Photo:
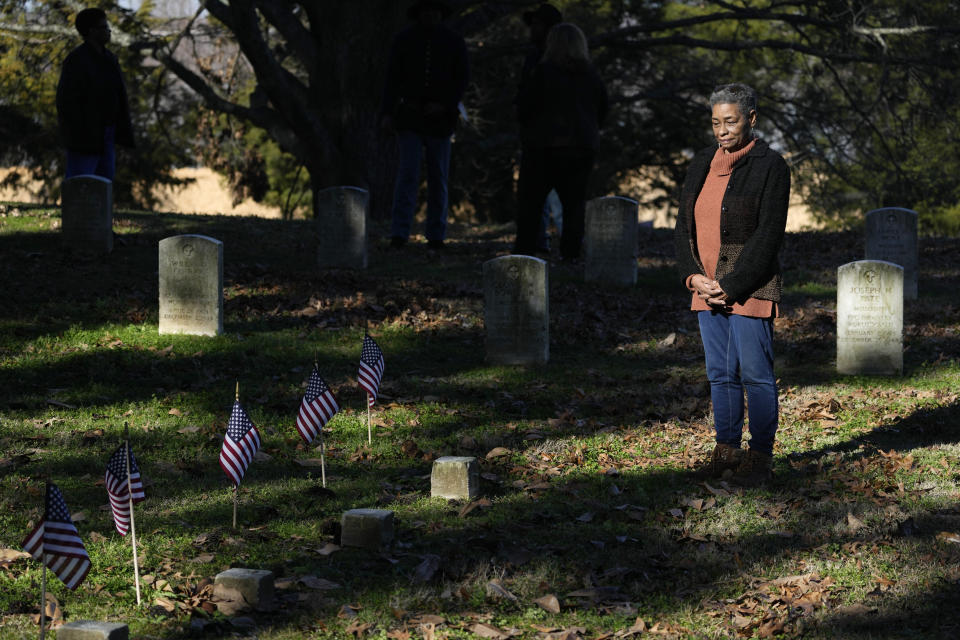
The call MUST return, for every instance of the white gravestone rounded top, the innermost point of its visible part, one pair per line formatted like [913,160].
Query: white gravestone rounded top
[342,227]
[892,236]
[870,318]
[191,285]
[610,241]
[516,310]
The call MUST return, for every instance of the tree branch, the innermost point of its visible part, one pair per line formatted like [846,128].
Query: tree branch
[282,17]
[745,45]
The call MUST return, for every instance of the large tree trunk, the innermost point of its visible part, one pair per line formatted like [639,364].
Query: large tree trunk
[356,38]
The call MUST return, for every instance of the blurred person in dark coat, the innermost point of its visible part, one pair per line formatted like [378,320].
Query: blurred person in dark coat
[539,22]
[561,108]
[427,74]
[92,107]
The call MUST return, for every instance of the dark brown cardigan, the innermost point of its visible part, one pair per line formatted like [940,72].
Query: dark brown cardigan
[752,222]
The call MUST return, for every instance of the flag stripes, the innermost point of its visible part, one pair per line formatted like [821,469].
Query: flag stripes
[371,369]
[240,444]
[56,542]
[318,406]
[117,489]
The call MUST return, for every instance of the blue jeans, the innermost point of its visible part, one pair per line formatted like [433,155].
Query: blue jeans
[739,356]
[437,154]
[98,164]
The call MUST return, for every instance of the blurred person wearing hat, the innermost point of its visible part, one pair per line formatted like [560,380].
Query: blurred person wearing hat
[427,74]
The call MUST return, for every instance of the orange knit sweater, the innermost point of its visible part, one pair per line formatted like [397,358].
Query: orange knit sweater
[707,218]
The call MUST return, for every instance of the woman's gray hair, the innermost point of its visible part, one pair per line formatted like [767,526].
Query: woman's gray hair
[735,93]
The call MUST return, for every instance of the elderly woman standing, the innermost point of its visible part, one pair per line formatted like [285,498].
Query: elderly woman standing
[733,211]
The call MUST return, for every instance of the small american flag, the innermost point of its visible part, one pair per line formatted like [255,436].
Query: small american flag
[56,543]
[318,406]
[240,444]
[371,369]
[116,483]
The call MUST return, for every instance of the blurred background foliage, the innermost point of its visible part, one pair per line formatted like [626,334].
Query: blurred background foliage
[861,96]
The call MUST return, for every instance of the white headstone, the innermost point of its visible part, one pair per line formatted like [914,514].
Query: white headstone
[342,227]
[191,285]
[870,318]
[892,236]
[610,241]
[87,214]
[516,310]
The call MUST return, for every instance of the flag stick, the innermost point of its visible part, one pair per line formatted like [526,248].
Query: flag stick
[369,431]
[323,448]
[133,526]
[236,487]
[43,593]
[323,463]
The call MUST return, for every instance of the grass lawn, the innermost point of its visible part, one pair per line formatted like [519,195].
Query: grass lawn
[591,523]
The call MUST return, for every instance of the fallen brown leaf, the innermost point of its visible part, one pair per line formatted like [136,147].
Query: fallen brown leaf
[548,603]
[495,588]
[167,605]
[52,612]
[470,506]
[946,536]
[854,523]
[488,631]
[497,452]
[12,555]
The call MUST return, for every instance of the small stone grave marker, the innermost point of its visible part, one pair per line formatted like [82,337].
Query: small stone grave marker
[455,478]
[516,310]
[87,214]
[870,318]
[610,241]
[191,285]
[255,585]
[342,227]
[892,237]
[91,630]
[366,528]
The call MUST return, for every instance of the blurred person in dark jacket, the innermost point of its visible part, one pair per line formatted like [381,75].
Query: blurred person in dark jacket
[561,108]
[539,22]
[92,107]
[427,74]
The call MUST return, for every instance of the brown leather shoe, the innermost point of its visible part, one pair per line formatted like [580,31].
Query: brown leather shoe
[755,469]
[724,460]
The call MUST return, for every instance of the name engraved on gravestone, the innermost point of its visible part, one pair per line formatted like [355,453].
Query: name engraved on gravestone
[870,318]
[610,241]
[87,214]
[892,237]
[191,285]
[342,227]
[516,310]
